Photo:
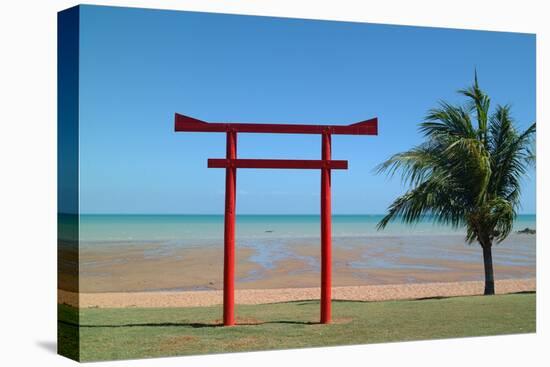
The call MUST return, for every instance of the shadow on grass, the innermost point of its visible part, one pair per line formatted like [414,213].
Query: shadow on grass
[306,302]
[477,295]
[188,324]
[219,324]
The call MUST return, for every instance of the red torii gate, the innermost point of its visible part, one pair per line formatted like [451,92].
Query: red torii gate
[231,163]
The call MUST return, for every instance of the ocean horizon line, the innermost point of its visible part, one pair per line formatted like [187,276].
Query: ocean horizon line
[254,214]
[190,227]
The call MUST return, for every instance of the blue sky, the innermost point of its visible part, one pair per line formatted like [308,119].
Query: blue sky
[138,67]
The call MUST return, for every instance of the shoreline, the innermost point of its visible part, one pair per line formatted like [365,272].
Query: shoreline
[262,296]
[277,263]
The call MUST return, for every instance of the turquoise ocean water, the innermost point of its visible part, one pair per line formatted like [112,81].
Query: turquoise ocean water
[185,228]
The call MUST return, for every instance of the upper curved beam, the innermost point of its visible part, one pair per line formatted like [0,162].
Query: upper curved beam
[186,123]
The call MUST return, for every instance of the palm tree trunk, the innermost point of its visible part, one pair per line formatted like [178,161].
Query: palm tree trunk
[488,263]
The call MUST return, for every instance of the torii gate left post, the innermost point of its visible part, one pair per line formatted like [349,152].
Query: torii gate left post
[231,163]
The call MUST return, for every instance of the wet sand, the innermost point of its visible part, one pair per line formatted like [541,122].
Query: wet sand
[259,296]
[157,267]
[152,274]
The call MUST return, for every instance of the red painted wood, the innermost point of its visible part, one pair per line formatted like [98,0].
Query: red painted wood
[326,234]
[186,123]
[231,163]
[229,233]
[277,163]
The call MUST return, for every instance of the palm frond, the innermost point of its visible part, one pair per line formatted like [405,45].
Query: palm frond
[415,164]
[437,197]
[447,121]
[511,155]
[480,103]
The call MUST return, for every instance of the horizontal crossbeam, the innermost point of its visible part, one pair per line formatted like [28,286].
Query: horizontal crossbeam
[186,123]
[277,163]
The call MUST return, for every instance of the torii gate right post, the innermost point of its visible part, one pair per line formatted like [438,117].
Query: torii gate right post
[231,163]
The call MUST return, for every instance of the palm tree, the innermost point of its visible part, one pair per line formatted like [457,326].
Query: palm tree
[465,175]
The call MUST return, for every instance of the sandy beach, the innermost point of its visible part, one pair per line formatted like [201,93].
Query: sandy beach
[370,268]
[277,264]
[261,296]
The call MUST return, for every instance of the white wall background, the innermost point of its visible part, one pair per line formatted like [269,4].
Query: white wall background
[28,180]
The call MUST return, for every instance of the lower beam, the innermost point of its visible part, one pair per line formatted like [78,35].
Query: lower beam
[277,163]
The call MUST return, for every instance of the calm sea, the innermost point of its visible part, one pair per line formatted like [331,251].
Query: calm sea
[94,227]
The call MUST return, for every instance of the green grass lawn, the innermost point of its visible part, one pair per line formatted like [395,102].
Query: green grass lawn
[146,332]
